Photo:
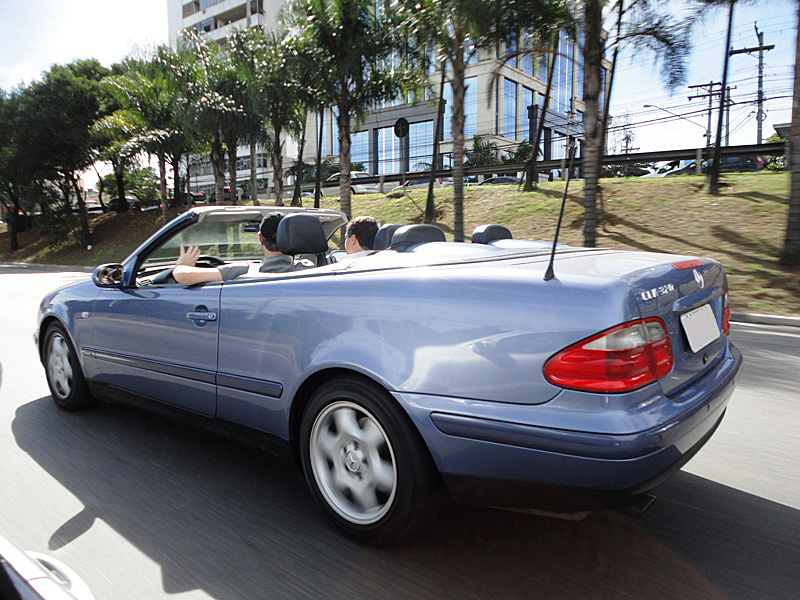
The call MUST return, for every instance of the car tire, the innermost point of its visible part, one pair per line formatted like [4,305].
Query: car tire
[365,463]
[64,375]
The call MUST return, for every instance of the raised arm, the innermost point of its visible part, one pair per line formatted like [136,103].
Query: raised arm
[186,273]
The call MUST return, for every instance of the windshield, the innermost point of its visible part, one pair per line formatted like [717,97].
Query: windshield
[227,241]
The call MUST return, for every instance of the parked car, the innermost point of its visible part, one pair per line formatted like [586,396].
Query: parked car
[502,180]
[92,207]
[662,169]
[35,576]
[690,169]
[212,197]
[418,184]
[427,364]
[198,197]
[733,164]
[331,184]
[116,205]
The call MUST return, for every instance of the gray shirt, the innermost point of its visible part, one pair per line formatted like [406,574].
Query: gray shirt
[283,263]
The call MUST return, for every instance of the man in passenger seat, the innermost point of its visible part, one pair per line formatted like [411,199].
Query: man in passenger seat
[274,261]
[359,236]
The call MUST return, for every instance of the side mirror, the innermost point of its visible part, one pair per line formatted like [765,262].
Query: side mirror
[108,276]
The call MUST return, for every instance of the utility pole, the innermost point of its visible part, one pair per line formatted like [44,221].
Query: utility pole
[728,103]
[760,100]
[710,94]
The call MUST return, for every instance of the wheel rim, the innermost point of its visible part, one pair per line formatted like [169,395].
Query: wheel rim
[353,462]
[59,367]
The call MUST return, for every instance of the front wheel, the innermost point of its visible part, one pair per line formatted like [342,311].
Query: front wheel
[64,376]
[364,462]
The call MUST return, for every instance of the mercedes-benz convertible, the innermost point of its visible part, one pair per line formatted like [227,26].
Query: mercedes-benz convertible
[423,369]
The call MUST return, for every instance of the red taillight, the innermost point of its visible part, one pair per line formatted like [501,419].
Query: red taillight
[620,359]
[726,314]
[687,264]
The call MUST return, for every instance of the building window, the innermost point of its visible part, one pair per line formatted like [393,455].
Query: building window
[359,149]
[190,8]
[420,145]
[204,4]
[527,57]
[579,65]
[511,54]
[388,151]
[470,109]
[510,109]
[206,25]
[525,121]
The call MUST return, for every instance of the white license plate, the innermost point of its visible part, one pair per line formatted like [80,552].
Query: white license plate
[700,326]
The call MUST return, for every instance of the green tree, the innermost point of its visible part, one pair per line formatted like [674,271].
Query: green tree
[57,115]
[147,92]
[352,47]
[482,154]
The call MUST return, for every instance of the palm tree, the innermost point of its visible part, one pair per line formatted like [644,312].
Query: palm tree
[458,29]
[351,46]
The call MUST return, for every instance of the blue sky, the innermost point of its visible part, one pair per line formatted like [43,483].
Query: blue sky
[639,80]
[37,33]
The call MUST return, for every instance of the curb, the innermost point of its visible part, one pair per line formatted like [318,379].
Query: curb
[41,267]
[741,317]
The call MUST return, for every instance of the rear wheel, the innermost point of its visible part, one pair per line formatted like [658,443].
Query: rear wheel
[364,462]
[64,376]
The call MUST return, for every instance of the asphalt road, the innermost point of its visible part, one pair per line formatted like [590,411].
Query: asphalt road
[144,508]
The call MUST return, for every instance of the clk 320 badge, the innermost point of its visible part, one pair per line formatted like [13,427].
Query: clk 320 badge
[661,290]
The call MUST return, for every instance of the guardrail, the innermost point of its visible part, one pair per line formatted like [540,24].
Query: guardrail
[703,153]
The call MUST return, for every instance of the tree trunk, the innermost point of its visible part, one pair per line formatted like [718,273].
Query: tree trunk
[86,234]
[176,181]
[218,167]
[188,200]
[232,158]
[11,217]
[607,92]
[298,166]
[430,208]
[119,177]
[277,163]
[101,186]
[343,120]
[457,126]
[253,174]
[318,171]
[162,184]
[531,176]
[790,254]
[591,92]
[713,179]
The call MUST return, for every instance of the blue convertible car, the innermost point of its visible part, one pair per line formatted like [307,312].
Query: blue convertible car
[425,366]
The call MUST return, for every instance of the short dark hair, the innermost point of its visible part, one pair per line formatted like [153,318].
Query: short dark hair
[269,230]
[364,228]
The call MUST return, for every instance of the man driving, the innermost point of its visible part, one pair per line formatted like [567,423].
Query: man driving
[274,261]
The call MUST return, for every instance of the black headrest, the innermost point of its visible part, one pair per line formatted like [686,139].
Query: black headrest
[411,235]
[383,239]
[301,234]
[484,234]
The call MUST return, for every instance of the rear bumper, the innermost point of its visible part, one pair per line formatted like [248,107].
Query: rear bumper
[497,461]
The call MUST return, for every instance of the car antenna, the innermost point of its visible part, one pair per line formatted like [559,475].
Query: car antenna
[548,274]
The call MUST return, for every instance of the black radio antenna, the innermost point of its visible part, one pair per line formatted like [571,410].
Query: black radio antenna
[548,274]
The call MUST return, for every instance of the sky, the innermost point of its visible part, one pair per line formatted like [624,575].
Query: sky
[34,34]
[638,79]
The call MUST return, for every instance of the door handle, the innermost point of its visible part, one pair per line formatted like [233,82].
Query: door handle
[201,316]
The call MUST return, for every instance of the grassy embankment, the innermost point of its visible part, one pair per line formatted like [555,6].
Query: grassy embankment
[743,228]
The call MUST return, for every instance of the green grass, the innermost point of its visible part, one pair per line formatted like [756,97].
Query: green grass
[743,228]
